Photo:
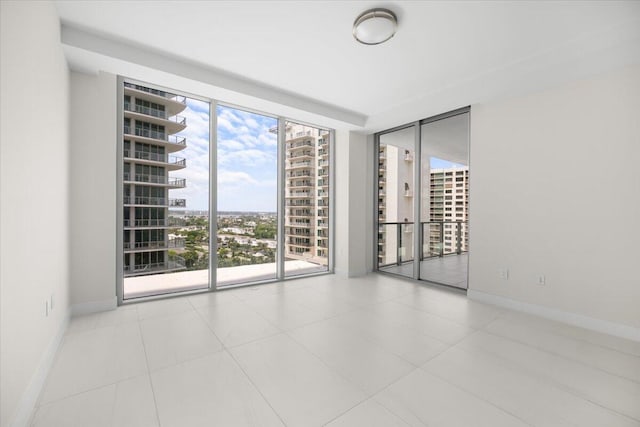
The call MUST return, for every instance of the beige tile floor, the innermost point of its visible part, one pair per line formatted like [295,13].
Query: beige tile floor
[371,351]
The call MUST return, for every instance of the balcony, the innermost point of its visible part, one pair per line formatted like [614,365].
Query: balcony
[301,184]
[173,103]
[143,157]
[170,142]
[301,155]
[323,163]
[299,194]
[172,123]
[154,201]
[174,263]
[298,224]
[298,174]
[299,202]
[147,223]
[151,245]
[323,193]
[156,180]
[299,165]
[293,145]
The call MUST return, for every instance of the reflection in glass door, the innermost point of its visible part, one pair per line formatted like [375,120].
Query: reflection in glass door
[396,155]
[445,200]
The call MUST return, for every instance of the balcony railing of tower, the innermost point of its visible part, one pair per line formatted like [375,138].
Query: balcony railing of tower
[323,203]
[323,163]
[298,174]
[322,142]
[148,133]
[299,164]
[299,184]
[161,93]
[154,112]
[323,152]
[298,202]
[155,157]
[300,154]
[295,223]
[154,201]
[155,179]
[323,224]
[300,194]
[147,222]
[293,135]
[157,244]
[174,263]
[323,193]
[300,144]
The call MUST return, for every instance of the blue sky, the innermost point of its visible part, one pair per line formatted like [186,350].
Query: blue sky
[436,163]
[247,160]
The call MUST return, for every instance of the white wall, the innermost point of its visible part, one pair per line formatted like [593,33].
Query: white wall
[555,191]
[353,198]
[93,191]
[34,201]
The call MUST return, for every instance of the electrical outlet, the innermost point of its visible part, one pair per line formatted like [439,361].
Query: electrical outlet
[503,273]
[542,280]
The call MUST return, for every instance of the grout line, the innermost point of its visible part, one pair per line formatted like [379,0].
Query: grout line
[512,365]
[255,386]
[153,392]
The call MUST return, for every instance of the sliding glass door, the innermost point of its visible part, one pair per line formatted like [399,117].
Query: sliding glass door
[396,202]
[445,195]
[424,234]
[216,195]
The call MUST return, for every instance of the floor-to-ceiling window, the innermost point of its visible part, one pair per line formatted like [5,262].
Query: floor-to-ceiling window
[165,155]
[247,196]
[215,195]
[306,194]
[423,234]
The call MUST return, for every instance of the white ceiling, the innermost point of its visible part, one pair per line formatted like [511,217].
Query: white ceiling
[445,54]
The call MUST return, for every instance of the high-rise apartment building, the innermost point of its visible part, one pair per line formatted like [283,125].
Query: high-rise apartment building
[395,203]
[307,193]
[448,210]
[444,210]
[151,121]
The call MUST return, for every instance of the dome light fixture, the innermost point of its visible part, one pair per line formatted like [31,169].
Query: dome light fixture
[375,26]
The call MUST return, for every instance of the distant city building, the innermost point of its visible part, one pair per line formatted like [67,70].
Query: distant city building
[150,122]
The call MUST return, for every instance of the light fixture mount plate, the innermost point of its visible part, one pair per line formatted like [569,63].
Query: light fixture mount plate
[375,26]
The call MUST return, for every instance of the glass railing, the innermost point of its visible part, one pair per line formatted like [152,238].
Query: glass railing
[161,93]
[395,243]
[154,112]
[174,263]
[155,244]
[155,157]
[441,238]
[154,201]
[155,179]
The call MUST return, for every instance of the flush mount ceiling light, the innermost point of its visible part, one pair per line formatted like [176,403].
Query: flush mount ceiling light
[375,26]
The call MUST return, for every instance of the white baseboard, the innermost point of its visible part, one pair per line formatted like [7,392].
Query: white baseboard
[94,306]
[27,404]
[586,322]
